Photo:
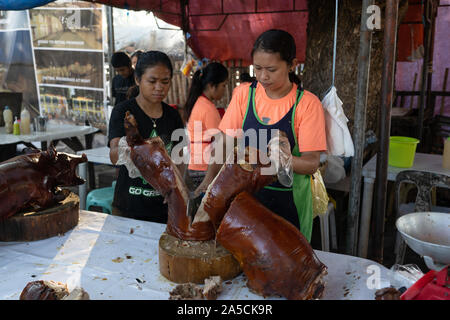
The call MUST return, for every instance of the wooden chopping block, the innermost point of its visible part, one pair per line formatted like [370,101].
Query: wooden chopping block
[183,261]
[38,225]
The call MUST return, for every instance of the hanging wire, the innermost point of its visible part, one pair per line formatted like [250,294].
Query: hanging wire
[335,41]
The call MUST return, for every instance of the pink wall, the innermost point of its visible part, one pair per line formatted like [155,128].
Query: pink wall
[441,59]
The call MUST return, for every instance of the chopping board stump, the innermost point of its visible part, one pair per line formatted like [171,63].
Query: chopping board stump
[38,225]
[183,261]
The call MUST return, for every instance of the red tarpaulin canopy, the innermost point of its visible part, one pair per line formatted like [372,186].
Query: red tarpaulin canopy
[225,30]
[410,33]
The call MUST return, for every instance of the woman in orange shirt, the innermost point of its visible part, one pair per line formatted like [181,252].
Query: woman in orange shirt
[208,85]
[276,100]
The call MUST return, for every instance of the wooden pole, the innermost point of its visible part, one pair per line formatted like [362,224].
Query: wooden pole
[444,87]
[362,87]
[387,88]
[411,102]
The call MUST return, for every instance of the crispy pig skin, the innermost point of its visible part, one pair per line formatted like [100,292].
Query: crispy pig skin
[44,290]
[274,255]
[232,179]
[33,180]
[157,168]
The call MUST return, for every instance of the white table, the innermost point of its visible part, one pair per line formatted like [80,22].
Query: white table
[54,132]
[117,258]
[96,155]
[422,162]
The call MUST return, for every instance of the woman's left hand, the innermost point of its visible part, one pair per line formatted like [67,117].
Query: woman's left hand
[280,155]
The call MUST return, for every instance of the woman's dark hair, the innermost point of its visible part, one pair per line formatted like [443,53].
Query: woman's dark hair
[245,77]
[147,60]
[137,53]
[150,59]
[278,41]
[214,73]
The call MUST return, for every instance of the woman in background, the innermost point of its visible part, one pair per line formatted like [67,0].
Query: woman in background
[208,85]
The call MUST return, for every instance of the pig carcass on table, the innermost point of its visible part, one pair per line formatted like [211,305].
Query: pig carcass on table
[156,166]
[34,180]
[274,255]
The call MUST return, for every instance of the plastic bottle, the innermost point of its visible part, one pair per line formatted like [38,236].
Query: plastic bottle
[16,129]
[24,122]
[8,118]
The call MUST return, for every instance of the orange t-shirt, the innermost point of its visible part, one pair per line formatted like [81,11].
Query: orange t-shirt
[309,120]
[204,120]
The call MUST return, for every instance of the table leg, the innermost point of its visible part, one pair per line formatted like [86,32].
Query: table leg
[89,138]
[366,212]
[82,172]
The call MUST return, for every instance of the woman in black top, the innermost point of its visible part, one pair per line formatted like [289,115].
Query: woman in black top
[135,198]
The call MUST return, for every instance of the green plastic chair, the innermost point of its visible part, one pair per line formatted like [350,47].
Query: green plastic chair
[101,197]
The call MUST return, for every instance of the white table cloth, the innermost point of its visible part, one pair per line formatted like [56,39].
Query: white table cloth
[117,258]
[54,132]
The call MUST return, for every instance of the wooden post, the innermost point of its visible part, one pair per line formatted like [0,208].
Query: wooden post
[387,87]
[444,87]
[362,87]
[411,102]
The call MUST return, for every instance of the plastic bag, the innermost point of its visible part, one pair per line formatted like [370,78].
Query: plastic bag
[125,159]
[405,275]
[339,140]
[188,64]
[281,156]
[319,194]
[335,170]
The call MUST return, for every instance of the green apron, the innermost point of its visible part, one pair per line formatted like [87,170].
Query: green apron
[301,188]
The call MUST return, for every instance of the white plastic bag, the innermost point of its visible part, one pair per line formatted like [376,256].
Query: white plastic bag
[125,159]
[405,275]
[339,140]
[335,170]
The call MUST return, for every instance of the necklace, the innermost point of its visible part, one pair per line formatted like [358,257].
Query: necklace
[154,122]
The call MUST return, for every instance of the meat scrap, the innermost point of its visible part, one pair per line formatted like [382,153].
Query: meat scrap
[388,293]
[212,288]
[44,290]
[274,255]
[191,291]
[186,291]
[51,290]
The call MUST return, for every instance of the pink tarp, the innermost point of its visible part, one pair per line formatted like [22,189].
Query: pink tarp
[225,30]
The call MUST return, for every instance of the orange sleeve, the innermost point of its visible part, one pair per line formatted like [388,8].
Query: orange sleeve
[234,116]
[310,124]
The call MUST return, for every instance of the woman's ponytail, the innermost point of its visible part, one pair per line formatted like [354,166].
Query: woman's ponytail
[195,91]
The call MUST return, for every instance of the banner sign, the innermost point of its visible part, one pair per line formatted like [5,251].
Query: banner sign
[67,40]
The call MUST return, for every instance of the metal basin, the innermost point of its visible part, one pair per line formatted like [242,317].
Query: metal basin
[428,234]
